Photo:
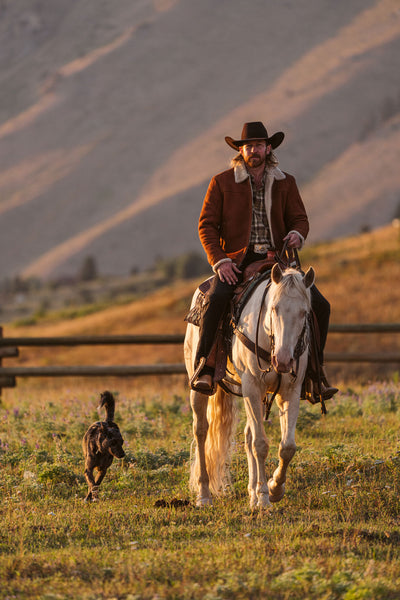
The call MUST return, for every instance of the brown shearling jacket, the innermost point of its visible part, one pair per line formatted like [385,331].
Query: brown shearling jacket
[226,216]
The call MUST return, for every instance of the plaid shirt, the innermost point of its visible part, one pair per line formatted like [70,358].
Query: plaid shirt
[260,233]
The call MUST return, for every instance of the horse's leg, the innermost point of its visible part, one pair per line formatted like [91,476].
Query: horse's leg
[256,448]
[288,413]
[252,487]
[199,478]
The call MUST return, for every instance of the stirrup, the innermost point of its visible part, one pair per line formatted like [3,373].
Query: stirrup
[311,390]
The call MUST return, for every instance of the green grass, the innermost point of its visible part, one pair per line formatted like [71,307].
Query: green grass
[335,535]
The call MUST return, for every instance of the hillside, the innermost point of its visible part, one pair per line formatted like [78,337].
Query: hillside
[113,117]
[359,275]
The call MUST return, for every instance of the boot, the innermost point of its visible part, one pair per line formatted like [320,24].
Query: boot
[310,389]
[203,384]
[202,380]
[327,391]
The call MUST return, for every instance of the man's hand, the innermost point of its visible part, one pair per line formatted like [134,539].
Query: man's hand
[227,272]
[293,240]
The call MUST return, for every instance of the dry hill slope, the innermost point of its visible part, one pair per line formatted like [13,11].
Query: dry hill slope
[113,118]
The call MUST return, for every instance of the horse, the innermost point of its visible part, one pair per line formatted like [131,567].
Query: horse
[269,355]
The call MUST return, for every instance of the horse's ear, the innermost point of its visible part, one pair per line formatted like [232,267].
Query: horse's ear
[309,277]
[276,273]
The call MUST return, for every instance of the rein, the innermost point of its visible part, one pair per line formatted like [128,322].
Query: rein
[271,335]
[288,257]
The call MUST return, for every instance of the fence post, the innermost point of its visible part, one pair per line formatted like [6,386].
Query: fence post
[6,351]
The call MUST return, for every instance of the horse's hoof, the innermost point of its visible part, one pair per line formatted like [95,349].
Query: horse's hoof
[277,494]
[203,502]
[253,499]
[276,498]
[263,500]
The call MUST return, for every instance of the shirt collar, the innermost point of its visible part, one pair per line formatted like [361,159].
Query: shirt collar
[263,177]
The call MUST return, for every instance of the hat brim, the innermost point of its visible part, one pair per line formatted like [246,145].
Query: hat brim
[275,141]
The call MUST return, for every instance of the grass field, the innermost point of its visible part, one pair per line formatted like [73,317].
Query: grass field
[334,535]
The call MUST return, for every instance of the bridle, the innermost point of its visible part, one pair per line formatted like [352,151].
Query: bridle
[299,349]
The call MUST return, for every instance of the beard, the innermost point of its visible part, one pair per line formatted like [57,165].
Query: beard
[255,160]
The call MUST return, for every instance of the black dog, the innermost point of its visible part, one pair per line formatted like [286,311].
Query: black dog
[100,444]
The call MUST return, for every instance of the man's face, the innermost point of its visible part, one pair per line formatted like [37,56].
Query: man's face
[255,152]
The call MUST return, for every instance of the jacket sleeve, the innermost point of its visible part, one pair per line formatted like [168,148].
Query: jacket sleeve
[296,216]
[210,224]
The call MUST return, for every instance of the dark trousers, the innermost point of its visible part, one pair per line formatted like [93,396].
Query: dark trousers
[219,296]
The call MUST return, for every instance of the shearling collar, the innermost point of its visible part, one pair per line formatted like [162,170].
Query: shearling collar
[241,173]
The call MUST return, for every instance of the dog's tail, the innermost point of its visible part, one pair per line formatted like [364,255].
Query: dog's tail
[107,401]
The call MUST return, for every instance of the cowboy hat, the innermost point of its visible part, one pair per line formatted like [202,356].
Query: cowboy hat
[255,131]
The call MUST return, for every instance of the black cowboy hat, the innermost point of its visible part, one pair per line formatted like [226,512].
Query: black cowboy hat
[255,131]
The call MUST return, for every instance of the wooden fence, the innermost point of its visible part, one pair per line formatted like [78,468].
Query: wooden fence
[9,348]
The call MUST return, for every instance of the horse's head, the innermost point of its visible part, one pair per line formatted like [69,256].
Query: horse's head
[289,304]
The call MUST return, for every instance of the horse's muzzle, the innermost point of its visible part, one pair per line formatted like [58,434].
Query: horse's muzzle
[282,364]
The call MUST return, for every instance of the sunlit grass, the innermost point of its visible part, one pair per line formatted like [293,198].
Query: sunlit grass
[334,535]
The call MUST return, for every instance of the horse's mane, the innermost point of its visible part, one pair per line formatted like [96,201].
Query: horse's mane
[292,285]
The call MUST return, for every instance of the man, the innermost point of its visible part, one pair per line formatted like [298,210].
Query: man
[249,212]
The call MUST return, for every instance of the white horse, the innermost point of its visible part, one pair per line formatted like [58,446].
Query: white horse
[275,319]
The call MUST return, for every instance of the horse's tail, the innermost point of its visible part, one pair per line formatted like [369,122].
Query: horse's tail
[222,415]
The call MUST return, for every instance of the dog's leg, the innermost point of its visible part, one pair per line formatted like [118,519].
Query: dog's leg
[91,485]
[95,493]
[94,484]
[100,476]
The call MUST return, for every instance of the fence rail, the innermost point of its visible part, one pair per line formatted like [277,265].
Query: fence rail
[92,371]
[9,347]
[99,340]
[364,328]
[92,340]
